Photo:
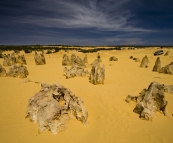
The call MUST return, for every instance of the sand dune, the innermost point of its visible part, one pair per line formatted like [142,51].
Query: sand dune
[110,119]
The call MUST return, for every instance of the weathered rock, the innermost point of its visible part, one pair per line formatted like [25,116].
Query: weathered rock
[113,58]
[137,60]
[167,53]
[13,71]
[6,61]
[149,101]
[75,70]
[38,59]
[22,71]
[43,57]
[168,89]
[131,57]
[99,57]
[1,55]
[66,61]
[53,106]
[21,59]
[168,69]
[2,71]
[85,60]
[144,62]
[97,77]
[157,65]
[13,58]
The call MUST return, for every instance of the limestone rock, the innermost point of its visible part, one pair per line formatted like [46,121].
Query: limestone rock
[149,101]
[168,89]
[85,60]
[168,69]
[66,61]
[157,65]
[38,59]
[167,53]
[113,58]
[53,106]
[13,58]
[2,71]
[6,61]
[144,62]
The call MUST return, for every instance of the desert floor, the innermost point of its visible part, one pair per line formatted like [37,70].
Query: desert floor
[110,119]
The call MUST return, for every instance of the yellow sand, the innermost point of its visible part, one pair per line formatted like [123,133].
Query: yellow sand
[111,119]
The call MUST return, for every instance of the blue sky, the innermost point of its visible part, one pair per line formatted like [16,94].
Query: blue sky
[86,22]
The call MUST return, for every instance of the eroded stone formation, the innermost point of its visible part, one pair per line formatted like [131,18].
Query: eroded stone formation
[1,55]
[53,106]
[66,61]
[74,71]
[7,60]
[2,71]
[113,58]
[99,57]
[144,62]
[18,71]
[168,69]
[21,59]
[149,101]
[96,76]
[136,59]
[168,89]
[167,53]
[13,58]
[39,60]
[85,60]
[157,65]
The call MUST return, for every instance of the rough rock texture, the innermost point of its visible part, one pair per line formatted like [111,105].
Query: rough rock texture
[2,71]
[97,77]
[157,65]
[18,71]
[85,60]
[21,59]
[53,106]
[38,59]
[144,62]
[75,70]
[167,53]
[168,89]
[149,101]
[113,58]
[1,55]
[66,61]
[99,57]
[168,69]
[13,58]
[6,61]
[79,61]
[43,58]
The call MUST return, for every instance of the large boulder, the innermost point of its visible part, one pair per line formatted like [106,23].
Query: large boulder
[144,62]
[149,101]
[2,71]
[168,69]
[157,65]
[53,106]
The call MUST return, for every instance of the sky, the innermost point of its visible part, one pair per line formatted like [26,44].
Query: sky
[86,22]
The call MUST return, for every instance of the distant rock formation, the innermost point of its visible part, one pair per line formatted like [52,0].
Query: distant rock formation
[53,106]
[74,71]
[13,58]
[99,57]
[168,69]
[21,59]
[1,55]
[97,77]
[85,60]
[113,58]
[43,57]
[157,65]
[39,59]
[144,62]
[2,71]
[136,59]
[167,53]
[66,61]
[131,57]
[18,71]
[149,101]
[7,60]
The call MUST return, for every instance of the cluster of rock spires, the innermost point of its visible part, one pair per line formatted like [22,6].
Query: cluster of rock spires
[75,71]
[39,59]
[149,101]
[15,71]
[13,59]
[74,60]
[113,58]
[53,106]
